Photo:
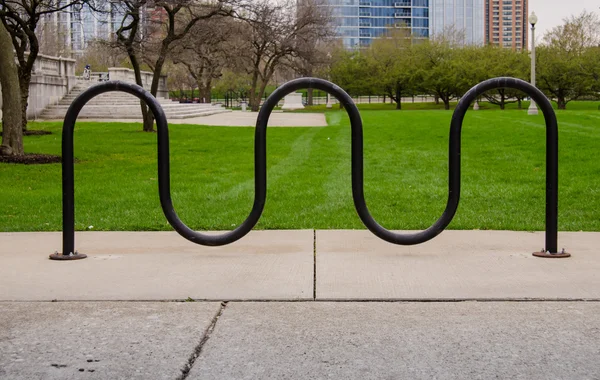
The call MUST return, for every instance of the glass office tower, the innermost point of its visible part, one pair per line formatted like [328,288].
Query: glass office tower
[358,22]
[464,17]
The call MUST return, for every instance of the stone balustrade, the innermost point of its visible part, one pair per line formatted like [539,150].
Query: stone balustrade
[51,79]
[54,77]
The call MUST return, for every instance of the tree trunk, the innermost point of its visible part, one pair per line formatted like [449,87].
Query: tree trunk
[446,100]
[252,95]
[257,96]
[309,96]
[149,117]
[24,81]
[138,80]
[562,104]
[502,99]
[204,91]
[398,96]
[519,103]
[12,131]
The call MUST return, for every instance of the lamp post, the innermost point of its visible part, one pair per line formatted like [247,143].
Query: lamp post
[532,20]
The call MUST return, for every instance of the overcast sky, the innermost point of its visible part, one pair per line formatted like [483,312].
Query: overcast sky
[551,12]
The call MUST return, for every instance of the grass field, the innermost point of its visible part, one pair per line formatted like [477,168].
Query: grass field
[309,174]
[408,106]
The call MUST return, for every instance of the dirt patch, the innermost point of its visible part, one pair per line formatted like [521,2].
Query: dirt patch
[36,132]
[31,159]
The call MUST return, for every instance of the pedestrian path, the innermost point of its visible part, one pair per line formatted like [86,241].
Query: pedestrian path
[299,305]
[235,119]
[298,265]
[299,340]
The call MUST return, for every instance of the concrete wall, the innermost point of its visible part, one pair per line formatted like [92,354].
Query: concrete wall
[128,75]
[52,78]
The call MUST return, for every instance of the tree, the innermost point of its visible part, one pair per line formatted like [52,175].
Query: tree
[207,50]
[393,62]
[151,42]
[234,83]
[437,72]
[563,68]
[277,30]
[100,55]
[12,131]
[313,59]
[180,79]
[481,63]
[21,19]
[353,72]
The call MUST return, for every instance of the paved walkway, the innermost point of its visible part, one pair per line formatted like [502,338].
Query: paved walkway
[298,265]
[241,119]
[467,305]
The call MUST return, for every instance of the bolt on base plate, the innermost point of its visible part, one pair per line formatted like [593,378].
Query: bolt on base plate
[547,254]
[74,256]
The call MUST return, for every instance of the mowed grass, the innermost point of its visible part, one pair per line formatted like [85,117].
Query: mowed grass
[503,174]
[592,105]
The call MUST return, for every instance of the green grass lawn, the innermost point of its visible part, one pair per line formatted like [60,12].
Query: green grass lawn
[593,105]
[503,160]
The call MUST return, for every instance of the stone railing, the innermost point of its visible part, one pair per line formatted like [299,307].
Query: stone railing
[51,79]
[128,75]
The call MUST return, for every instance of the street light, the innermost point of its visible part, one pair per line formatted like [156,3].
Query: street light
[532,20]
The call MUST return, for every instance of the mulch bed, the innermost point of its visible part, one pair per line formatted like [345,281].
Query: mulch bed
[31,159]
[34,133]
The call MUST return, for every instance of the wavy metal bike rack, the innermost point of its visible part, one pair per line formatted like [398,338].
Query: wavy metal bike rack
[260,164]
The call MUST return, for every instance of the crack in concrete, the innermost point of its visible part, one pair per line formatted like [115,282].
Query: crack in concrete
[185,371]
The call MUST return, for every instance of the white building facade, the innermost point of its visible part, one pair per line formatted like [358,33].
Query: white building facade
[464,17]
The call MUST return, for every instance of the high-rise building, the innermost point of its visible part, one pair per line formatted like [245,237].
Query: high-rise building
[76,26]
[358,22]
[465,18]
[506,23]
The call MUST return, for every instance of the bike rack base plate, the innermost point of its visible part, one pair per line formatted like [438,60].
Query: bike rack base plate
[549,255]
[60,256]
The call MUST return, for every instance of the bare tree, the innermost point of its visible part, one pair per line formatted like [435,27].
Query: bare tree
[171,21]
[180,79]
[101,55]
[12,133]
[278,30]
[207,50]
[21,19]
[51,37]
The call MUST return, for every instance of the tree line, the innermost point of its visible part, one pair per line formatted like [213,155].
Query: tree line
[245,45]
[568,65]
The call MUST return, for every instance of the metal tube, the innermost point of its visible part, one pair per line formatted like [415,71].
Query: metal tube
[260,162]
[551,144]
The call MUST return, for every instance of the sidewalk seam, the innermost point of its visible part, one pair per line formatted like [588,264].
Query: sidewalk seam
[185,371]
[314,265]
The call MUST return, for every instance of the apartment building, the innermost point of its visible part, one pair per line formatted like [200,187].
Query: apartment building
[506,23]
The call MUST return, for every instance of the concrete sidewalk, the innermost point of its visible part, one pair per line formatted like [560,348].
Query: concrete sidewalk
[300,340]
[298,265]
[238,119]
[438,337]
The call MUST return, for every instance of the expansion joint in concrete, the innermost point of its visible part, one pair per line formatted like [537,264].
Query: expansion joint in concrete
[314,265]
[185,371]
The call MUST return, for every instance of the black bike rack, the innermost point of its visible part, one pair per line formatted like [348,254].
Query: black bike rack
[260,164]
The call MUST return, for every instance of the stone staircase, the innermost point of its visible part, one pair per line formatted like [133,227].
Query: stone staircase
[120,105]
